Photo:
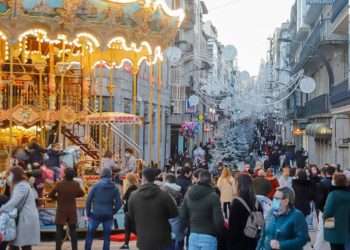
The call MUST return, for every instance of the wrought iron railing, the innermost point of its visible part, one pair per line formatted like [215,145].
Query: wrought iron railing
[340,94]
[318,105]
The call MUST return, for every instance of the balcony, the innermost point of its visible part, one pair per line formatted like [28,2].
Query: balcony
[297,113]
[340,94]
[318,105]
[340,16]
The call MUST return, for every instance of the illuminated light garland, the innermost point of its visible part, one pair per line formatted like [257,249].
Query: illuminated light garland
[179,13]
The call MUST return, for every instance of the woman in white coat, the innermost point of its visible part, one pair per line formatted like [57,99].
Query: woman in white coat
[22,198]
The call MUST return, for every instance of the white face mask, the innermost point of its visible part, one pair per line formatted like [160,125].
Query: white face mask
[127,155]
[333,183]
[9,179]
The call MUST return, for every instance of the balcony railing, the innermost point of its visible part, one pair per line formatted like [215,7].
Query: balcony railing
[337,8]
[318,105]
[296,113]
[340,94]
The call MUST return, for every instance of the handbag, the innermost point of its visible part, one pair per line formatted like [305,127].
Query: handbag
[329,223]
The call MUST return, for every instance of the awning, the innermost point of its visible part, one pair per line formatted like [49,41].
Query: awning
[114,117]
[318,130]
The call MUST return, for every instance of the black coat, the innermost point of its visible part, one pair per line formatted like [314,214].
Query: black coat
[127,195]
[303,195]
[237,222]
[150,209]
[184,183]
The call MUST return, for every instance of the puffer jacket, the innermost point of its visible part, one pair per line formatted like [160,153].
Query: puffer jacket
[103,200]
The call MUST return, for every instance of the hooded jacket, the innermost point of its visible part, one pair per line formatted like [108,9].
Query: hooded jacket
[103,200]
[201,210]
[150,209]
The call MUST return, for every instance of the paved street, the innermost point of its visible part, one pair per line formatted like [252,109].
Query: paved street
[97,245]
[114,245]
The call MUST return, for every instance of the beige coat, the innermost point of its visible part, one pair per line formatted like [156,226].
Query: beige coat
[227,188]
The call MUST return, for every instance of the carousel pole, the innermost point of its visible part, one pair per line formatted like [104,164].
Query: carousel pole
[159,128]
[101,109]
[40,69]
[60,138]
[11,94]
[150,114]
[134,97]
[52,79]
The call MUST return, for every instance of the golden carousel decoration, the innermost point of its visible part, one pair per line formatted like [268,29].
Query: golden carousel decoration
[54,59]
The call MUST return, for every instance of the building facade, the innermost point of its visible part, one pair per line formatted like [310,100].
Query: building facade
[318,47]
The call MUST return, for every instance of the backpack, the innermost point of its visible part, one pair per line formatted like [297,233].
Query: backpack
[255,222]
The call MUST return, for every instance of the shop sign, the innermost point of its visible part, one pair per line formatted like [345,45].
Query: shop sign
[346,140]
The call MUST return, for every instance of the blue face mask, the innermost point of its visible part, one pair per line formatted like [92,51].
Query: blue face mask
[276,206]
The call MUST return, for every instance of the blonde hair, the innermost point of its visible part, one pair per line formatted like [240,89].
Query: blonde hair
[226,174]
[130,180]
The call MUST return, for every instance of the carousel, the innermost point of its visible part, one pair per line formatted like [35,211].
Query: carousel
[58,58]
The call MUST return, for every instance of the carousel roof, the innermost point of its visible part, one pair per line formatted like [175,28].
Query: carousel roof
[136,21]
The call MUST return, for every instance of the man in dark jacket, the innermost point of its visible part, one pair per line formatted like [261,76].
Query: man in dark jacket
[53,162]
[324,188]
[150,209]
[201,210]
[102,204]
[185,179]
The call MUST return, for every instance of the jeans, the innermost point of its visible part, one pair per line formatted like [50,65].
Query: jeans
[202,242]
[72,234]
[92,226]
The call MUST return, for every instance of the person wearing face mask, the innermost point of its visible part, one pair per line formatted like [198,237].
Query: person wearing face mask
[285,227]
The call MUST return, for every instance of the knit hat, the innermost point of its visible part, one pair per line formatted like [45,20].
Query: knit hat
[106,173]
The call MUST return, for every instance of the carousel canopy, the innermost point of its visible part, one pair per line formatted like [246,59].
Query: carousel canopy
[141,28]
[114,117]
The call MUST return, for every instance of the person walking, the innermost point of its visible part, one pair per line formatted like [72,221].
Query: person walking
[102,204]
[239,214]
[285,226]
[201,212]
[184,180]
[22,199]
[274,182]
[336,214]
[303,192]
[131,183]
[285,180]
[227,187]
[65,192]
[150,209]
[261,185]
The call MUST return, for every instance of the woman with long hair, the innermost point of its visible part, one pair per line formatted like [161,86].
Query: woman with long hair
[227,187]
[131,183]
[22,199]
[239,214]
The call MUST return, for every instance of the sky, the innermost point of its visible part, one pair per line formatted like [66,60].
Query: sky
[247,24]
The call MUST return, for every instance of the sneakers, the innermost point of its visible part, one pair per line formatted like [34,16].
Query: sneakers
[125,246]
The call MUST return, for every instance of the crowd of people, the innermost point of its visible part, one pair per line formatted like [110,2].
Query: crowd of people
[265,207]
